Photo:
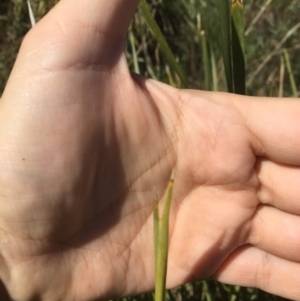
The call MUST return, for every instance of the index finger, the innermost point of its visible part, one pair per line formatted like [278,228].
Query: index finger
[274,125]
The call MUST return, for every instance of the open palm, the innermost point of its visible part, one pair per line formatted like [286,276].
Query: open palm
[84,144]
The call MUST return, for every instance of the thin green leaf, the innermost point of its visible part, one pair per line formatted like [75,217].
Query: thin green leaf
[136,67]
[158,35]
[225,18]
[281,77]
[238,46]
[233,45]
[162,241]
[206,291]
[290,72]
[155,228]
[237,13]
[170,77]
[214,71]
[205,60]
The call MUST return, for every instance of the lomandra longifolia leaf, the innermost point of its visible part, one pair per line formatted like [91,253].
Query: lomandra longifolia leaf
[225,24]
[233,45]
[158,35]
[237,13]
[238,46]
[290,72]
[161,241]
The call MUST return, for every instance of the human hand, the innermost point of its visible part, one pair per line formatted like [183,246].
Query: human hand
[83,143]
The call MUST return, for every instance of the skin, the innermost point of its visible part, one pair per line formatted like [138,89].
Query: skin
[82,144]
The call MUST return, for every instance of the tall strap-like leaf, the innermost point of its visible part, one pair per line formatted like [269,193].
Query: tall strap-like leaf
[161,242]
[238,46]
[233,45]
[290,72]
[158,35]
[225,23]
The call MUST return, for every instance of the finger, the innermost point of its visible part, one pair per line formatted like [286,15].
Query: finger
[110,17]
[276,232]
[80,33]
[274,125]
[249,266]
[279,186]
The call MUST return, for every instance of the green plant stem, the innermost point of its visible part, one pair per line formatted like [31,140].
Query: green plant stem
[161,242]
[290,72]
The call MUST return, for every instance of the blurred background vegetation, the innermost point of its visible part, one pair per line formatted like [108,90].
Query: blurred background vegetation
[271,27]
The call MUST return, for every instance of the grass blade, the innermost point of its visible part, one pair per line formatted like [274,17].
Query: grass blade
[136,67]
[161,242]
[206,291]
[155,228]
[170,77]
[214,75]
[158,35]
[281,77]
[31,16]
[233,45]
[290,72]
[205,60]
[238,46]
[225,19]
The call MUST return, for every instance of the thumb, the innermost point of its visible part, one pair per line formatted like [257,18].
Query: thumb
[111,17]
[79,33]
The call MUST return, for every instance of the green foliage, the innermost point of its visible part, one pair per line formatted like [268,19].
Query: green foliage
[158,35]
[238,46]
[226,41]
[161,242]
[262,42]
[233,43]
[182,23]
[210,291]
[290,71]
